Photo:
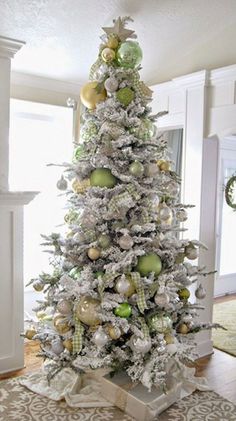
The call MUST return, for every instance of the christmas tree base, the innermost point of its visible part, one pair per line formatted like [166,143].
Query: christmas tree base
[136,400]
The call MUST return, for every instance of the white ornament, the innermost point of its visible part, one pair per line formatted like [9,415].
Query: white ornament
[140,345]
[152,170]
[162,299]
[62,184]
[200,292]
[126,242]
[64,307]
[171,348]
[165,213]
[111,84]
[57,346]
[155,202]
[100,338]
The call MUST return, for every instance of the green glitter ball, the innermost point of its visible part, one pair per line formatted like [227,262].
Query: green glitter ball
[89,130]
[123,310]
[125,96]
[160,323]
[129,54]
[145,130]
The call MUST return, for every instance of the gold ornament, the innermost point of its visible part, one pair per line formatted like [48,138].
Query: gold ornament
[38,286]
[61,324]
[91,95]
[93,253]
[68,345]
[183,293]
[86,310]
[80,187]
[114,332]
[164,165]
[183,329]
[108,55]
[113,41]
[125,286]
[29,334]
[169,338]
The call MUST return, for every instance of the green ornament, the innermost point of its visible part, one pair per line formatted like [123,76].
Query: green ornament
[184,294]
[149,263]
[75,273]
[102,177]
[159,323]
[89,130]
[71,217]
[79,153]
[129,54]
[125,96]
[136,169]
[123,310]
[99,273]
[145,130]
[104,241]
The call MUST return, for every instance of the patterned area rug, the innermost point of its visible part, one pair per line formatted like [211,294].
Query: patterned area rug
[19,404]
[225,314]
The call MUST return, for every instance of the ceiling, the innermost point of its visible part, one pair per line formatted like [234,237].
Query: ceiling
[176,36]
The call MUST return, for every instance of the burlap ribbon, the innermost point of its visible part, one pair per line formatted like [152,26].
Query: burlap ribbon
[78,336]
[141,301]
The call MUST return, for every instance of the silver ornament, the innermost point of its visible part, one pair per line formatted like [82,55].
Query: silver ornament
[88,220]
[62,184]
[140,345]
[151,170]
[171,348]
[165,213]
[57,346]
[100,338]
[200,292]
[125,286]
[111,84]
[181,215]
[159,323]
[173,188]
[136,169]
[64,307]
[162,299]
[126,242]
[191,252]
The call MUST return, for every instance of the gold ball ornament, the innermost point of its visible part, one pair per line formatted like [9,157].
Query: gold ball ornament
[125,286]
[113,41]
[170,339]
[61,324]
[87,311]
[30,333]
[93,253]
[183,293]
[38,286]
[164,165]
[80,187]
[108,55]
[183,329]
[68,344]
[91,95]
[114,332]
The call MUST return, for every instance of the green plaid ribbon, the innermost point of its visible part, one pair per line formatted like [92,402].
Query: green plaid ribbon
[142,90]
[90,236]
[117,202]
[95,66]
[144,327]
[78,336]
[145,216]
[141,301]
[107,278]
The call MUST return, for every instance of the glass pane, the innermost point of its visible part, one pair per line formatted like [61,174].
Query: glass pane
[175,142]
[40,134]
[228,233]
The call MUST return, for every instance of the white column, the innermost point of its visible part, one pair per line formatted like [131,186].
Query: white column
[11,231]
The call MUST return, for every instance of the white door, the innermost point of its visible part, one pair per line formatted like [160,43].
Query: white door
[226,261]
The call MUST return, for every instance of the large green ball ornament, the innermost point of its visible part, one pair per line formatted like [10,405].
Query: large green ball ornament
[125,96]
[129,54]
[145,130]
[136,169]
[102,177]
[149,263]
[159,323]
[87,311]
[123,310]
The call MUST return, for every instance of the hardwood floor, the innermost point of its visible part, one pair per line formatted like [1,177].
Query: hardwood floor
[219,368]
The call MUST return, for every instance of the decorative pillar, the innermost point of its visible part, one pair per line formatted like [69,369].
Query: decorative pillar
[11,231]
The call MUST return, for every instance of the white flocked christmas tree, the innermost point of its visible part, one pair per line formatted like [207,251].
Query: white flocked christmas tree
[118,293]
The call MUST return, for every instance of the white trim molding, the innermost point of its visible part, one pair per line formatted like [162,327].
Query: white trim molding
[9,46]
[11,198]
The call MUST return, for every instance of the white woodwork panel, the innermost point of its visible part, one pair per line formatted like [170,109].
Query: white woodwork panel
[222,121]
[177,102]
[223,94]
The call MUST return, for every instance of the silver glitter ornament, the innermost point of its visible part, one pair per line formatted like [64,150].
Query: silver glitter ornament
[126,242]
[159,323]
[140,345]
[151,170]
[64,307]
[200,292]
[165,213]
[111,84]
[162,300]
[181,215]
[100,338]
[191,252]
[136,169]
[173,188]
[62,183]
[57,346]
[125,286]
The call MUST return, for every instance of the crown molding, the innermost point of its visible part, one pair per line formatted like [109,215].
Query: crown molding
[12,198]
[192,80]
[39,82]
[9,46]
[223,74]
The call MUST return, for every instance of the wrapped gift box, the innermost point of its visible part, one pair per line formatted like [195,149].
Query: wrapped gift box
[136,400]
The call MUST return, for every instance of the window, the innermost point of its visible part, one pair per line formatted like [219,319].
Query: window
[40,134]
